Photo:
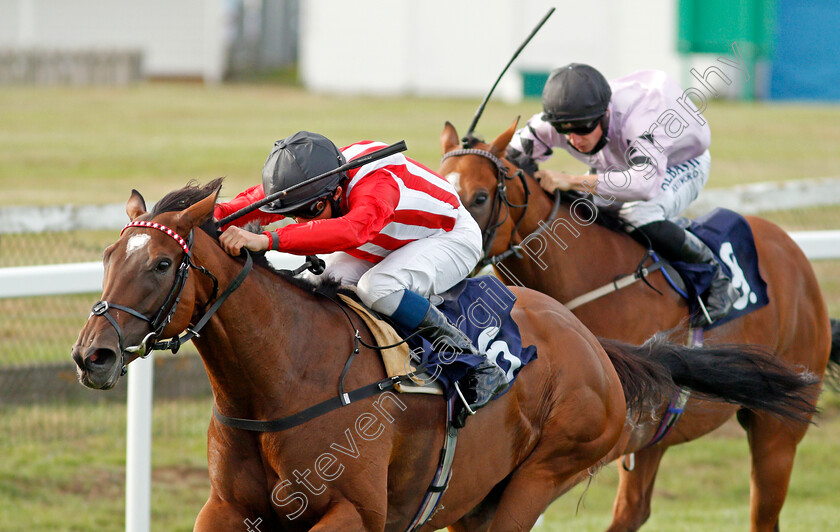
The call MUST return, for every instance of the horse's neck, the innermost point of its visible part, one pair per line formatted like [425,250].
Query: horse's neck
[570,256]
[256,349]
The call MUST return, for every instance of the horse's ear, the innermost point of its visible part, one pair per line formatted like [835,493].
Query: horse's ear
[499,146]
[136,205]
[195,214]
[448,138]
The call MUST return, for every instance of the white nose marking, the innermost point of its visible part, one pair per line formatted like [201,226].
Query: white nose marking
[136,242]
[454,179]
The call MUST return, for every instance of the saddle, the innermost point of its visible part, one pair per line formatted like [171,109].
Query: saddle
[398,360]
[730,238]
[480,307]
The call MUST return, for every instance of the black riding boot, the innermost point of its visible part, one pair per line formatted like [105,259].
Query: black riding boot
[483,382]
[721,294]
[676,244]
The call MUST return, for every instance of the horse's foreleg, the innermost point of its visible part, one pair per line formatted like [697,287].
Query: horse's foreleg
[220,515]
[772,446]
[632,502]
[530,491]
[343,515]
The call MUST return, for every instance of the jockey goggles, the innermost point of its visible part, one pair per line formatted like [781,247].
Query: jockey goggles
[577,127]
[312,210]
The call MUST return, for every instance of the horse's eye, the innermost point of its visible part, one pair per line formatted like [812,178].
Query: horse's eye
[163,265]
[480,198]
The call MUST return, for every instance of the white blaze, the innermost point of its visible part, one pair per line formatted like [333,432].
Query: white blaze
[454,179]
[136,242]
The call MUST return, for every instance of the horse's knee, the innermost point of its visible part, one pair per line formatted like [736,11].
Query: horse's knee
[219,515]
[343,515]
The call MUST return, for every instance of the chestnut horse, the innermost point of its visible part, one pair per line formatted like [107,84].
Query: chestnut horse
[273,345]
[580,256]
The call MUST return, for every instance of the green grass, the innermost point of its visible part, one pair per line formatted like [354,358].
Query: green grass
[704,485]
[76,482]
[92,145]
[72,477]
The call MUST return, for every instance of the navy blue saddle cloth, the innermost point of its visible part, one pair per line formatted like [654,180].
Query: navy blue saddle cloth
[730,238]
[481,308]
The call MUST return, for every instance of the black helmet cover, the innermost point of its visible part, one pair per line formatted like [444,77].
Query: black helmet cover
[575,97]
[295,159]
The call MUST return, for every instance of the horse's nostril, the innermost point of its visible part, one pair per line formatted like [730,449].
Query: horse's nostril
[100,357]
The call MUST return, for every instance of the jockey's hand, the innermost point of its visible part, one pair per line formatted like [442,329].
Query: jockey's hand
[235,238]
[551,180]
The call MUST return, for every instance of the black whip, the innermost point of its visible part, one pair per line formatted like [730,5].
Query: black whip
[468,136]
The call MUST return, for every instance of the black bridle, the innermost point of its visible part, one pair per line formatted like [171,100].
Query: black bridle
[488,234]
[164,314]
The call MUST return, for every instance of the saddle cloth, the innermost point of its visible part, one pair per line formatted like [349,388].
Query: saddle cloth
[730,238]
[481,308]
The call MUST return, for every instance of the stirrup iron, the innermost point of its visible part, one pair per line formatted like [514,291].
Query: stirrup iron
[464,399]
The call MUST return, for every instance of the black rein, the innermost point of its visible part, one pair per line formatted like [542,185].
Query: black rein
[489,232]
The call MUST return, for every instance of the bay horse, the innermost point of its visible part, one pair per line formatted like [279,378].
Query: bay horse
[273,345]
[578,257]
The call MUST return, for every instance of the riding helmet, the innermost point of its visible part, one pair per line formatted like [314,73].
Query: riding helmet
[575,94]
[295,159]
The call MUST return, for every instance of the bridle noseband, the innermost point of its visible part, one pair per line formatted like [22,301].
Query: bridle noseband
[164,314]
[488,234]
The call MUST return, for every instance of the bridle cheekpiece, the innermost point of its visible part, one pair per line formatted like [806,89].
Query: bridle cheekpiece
[500,198]
[164,315]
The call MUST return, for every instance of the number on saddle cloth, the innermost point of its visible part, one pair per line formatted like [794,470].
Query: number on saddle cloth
[481,308]
[730,238]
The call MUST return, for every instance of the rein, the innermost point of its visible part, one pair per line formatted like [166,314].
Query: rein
[501,197]
[164,315]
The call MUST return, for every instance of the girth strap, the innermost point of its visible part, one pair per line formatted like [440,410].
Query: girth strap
[614,286]
[277,425]
[675,408]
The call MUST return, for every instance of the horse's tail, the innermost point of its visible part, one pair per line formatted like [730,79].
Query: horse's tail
[833,369]
[746,375]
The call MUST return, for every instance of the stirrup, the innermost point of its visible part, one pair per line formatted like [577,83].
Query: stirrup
[464,399]
[704,310]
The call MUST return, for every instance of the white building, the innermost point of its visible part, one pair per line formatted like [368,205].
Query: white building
[175,38]
[459,47]
[419,47]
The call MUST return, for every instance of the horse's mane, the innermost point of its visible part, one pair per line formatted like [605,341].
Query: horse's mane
[193,192]
[605,217]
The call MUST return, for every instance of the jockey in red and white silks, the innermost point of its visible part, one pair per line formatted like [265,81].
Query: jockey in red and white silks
[392,227]
[404,227]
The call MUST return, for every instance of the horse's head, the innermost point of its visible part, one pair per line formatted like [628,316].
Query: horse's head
[489,185]
[146,294]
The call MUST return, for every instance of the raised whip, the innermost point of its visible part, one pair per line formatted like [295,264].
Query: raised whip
[468,136]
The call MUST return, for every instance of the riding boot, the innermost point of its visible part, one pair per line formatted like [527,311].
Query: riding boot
[721,295]
[674,243]
[483,382]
